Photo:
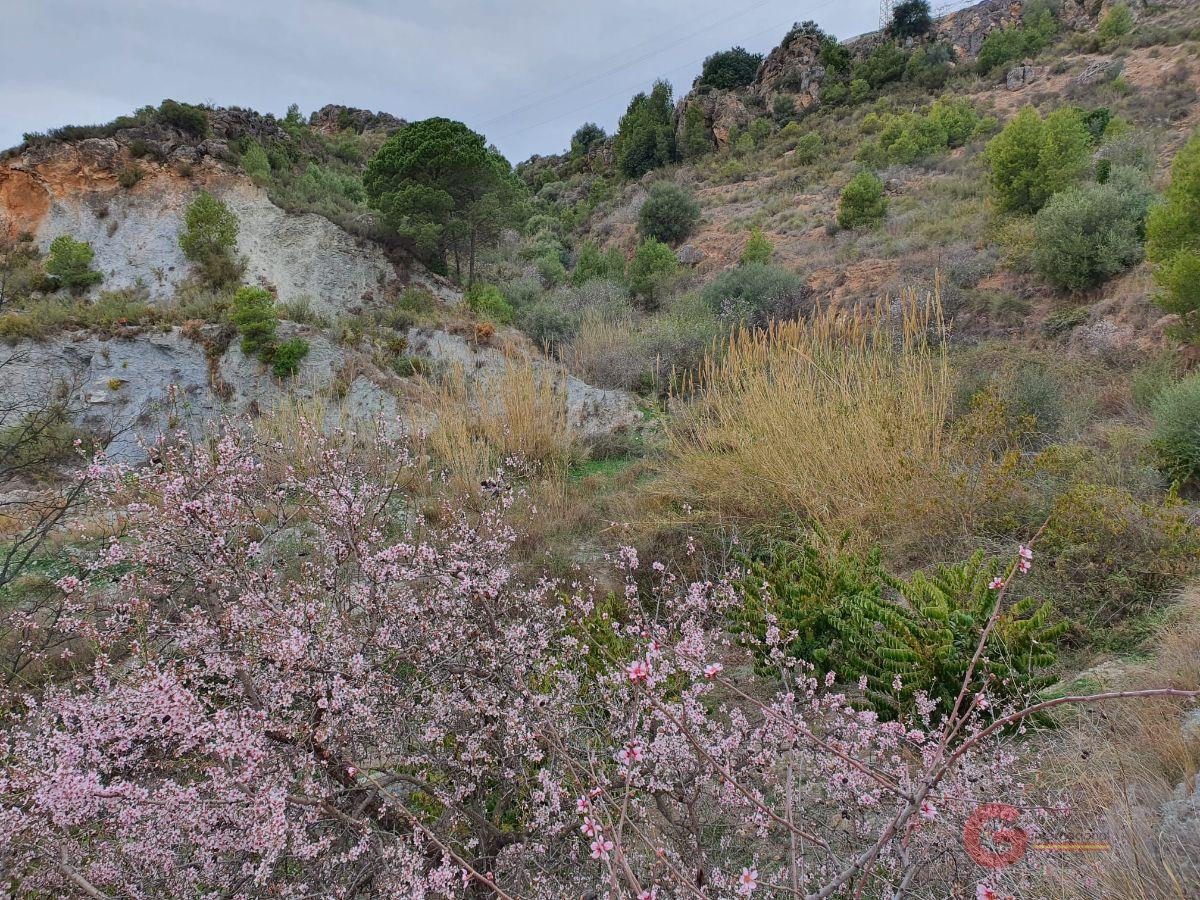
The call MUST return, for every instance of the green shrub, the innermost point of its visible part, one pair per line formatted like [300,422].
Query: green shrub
[695,138]
[548,323]
[653,264]
[608,265]
[1173,241]
[1177,429]
[757,250]
[669,214]
[883,65]
[730,69]
[1087,235]
[287,356]
[756,293]
[1033,158]
[1036,32]
[487,301]
[1117,23]
[407,365]
[184,116]
[130,176]
[808,149]
[587,136]
[862,202]
[210,229]
[256,164]
[69,264]
[839,609]
[254,315]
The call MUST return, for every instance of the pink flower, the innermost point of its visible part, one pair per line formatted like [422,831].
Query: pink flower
[601,848]
[648,895]
[982,701]
[638,670]
[747,882]
[983,892]
[928,811]
[712,670]
[1025,553]
[996,583]
[630,753]
[581,805]
[590,827]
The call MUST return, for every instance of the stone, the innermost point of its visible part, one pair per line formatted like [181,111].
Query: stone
[690,255]
[1020,76]
[1099,71]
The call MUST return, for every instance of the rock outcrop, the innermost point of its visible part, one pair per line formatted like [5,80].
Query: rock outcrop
[332,118]
[793,68]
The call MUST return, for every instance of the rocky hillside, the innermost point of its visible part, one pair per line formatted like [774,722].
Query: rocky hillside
[125,193]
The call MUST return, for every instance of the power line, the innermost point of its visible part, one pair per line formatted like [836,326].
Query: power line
[613,71]
[575,110]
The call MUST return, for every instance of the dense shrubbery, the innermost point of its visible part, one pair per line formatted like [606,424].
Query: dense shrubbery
[586,137]
[1173,241]
[1033,158]
[912,137]
[758,249]
[652,266]
[184,116]
[1177,429]
[1087,235]
[646,135]
[730,69]
[287,356]
[846,612]
[756,293]
[487,301]
[69,264]
[1117,23]
[668,214]
[208,239]
[862,202]
[1035,33]
[592,263]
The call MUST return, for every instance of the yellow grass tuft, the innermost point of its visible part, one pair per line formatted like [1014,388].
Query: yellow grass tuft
[837,421]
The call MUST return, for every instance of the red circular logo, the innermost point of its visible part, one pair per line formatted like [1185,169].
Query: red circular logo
[1011,842]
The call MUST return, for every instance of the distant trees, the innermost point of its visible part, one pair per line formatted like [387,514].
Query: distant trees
[438,184]
[730,69]
[910,18]
[862,202]
[1117,23]
[587,136]
[69,264]
[1033,158]
[646,134]
[669,214]
[1173,241]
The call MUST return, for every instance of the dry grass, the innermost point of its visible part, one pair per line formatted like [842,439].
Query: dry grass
[1122,762]
[837,421]
[519,413]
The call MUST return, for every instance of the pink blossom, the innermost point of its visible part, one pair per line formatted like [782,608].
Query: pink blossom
[747,882]
[712,670]
[590,827]
[996,583]
[638,670]
[929,812]
[985,892]
[601,847]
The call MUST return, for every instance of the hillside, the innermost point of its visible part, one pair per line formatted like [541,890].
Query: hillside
[793,494]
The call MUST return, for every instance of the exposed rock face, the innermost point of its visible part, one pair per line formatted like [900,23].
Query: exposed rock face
[1019,76]
[722,110]
[792,68]
[1099,71]
[332,118]
[594,411]
[966,28]
[73,189]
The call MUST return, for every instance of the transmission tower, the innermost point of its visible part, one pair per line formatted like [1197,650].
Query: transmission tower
[885,13]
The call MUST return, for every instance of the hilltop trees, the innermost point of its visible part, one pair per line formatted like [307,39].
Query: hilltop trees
[910,19]
[730,69]
[438,184]
[646,135]
[1173,241]
[587,136]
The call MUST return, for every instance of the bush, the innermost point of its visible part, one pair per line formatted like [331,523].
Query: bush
[1086,236]
[287,356]
[1033,158]
[862,202]
[1177,429]
[695,139]
[1117,23]
[807,149]
[758,249]
[587,136]
[210,228]
[840,608]
[669,214]
[548,323]
[756,293]
[653,264]
[1015,42]
[1173,241]
[730,69]
[609,265]
[885,64]
[184,116]
[256,164]
[69,264]
[487,301]
[256,319]
[910,18]
[646,134]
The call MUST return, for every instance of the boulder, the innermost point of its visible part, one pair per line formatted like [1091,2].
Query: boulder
[690,255]
[1020,76]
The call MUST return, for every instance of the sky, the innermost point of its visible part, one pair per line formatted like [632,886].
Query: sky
[525,73]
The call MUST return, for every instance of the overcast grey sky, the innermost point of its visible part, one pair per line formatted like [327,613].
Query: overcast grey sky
[525,73]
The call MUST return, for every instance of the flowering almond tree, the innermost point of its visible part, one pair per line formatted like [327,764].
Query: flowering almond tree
[291,684]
